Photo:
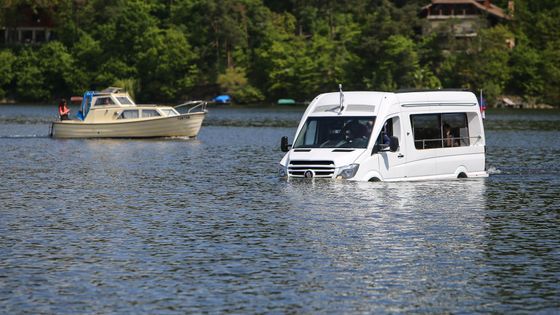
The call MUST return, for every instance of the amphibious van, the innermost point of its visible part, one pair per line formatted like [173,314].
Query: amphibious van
[382,136]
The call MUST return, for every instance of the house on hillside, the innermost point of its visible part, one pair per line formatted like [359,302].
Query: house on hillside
[463,18]
[28,26]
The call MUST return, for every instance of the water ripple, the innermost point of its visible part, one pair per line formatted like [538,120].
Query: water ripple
[204,226]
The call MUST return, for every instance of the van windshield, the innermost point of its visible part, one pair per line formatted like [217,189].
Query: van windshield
[335,132]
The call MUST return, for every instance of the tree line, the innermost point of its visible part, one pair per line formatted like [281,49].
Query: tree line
[262,50]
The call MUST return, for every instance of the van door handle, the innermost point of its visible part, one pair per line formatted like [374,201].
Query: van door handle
[400,156]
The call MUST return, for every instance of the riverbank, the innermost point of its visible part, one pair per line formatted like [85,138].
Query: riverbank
[518,102]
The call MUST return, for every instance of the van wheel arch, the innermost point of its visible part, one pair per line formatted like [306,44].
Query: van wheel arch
[461,172]
[374,179]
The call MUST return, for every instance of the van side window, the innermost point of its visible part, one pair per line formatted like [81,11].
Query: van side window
[386,132]
[426,129]
[440,130]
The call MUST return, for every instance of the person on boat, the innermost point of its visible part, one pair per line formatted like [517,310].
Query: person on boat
[63,110]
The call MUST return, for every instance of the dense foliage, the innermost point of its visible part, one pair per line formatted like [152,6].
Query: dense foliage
[260,50]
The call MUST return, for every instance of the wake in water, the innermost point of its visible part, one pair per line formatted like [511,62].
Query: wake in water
[24,136]
[493,170]
[22,120]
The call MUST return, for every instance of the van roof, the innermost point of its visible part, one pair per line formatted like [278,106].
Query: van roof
[370,101]
[429,90]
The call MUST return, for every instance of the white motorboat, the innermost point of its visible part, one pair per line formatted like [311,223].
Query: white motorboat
[112,113]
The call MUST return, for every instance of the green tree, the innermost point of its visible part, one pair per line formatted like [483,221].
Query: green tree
[123,28]
[219,27]
[7,60]
[88,56]
[489,66]
[166,64]
[300,66]
[284,61]
[234,82]
[277,55]
[296,48]
[29,80]
[111,71]
[551,71]
[399,65]
[526,71]
[378,21]
[56,65]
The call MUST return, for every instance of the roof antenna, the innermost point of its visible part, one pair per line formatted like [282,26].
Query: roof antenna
[341,98]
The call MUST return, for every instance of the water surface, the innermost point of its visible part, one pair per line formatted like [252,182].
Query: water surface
[178,226]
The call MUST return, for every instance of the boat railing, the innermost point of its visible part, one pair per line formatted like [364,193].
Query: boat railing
[200,106]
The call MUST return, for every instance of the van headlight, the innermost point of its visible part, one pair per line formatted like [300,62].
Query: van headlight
[348,171]
[281,171]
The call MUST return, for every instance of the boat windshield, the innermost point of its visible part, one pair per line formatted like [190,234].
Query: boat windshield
[124,100]
[335,132]
[169,112]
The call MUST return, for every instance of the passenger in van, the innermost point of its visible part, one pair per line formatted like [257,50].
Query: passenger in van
[385,137]
[448,138]
[354,130]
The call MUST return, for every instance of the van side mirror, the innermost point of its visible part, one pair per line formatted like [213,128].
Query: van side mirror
[379,147]
[394,145]
[284,146]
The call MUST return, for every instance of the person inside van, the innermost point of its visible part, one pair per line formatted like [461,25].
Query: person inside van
[386,133]
[354,130]
[448,139]
[386,139]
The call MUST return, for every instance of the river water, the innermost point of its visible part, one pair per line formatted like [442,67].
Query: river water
[175,226]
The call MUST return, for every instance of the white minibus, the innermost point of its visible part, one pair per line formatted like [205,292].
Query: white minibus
[382,136]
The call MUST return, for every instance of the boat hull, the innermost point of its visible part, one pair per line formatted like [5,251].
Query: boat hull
[185,125]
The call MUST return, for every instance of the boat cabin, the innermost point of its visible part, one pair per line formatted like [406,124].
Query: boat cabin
[112,104]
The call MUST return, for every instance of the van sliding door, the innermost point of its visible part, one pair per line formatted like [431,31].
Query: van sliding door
[391,164]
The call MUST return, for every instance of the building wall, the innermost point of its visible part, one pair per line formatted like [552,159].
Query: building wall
[22,25]
[466,26]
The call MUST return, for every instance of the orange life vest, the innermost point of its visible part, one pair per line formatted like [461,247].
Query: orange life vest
[63,110]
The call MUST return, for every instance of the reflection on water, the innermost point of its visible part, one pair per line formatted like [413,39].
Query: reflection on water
[403,245]
[204,225]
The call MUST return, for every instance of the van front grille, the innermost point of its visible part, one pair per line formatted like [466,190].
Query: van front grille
[319,168]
